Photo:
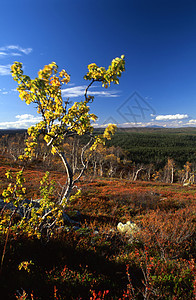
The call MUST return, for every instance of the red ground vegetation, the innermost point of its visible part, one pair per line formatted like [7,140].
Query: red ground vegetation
[96,261]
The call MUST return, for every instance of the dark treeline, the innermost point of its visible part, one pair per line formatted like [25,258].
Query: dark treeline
[155,145]
[12,131]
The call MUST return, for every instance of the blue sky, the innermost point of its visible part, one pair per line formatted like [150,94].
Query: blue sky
[158,39]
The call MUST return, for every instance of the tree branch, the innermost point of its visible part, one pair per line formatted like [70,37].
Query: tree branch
[86,90]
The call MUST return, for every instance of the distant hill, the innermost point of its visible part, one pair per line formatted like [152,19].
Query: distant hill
[154,126]
[188,130]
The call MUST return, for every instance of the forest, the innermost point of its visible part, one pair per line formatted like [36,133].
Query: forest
[155,145]
[163,155]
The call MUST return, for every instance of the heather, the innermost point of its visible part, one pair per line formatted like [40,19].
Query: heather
[91,259]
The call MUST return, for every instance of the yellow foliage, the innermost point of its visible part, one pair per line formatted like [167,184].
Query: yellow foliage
[53,151]
[57,118]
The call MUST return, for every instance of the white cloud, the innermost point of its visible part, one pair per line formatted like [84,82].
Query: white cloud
[192,122]
[15,54]
[104,93]
[79,91]
[5,70]
[24,117]
[3,54]
[73,92]
[23,121]
[4,91]
[11,50]
[18,51]
[171,117]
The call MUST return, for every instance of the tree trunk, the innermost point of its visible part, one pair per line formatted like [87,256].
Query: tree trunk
[66,193]
[95,168]
[172,175]
[136,174]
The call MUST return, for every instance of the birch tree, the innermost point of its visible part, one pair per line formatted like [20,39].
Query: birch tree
[60,120]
